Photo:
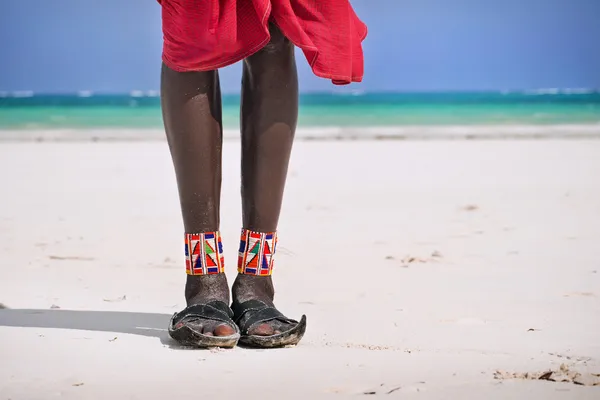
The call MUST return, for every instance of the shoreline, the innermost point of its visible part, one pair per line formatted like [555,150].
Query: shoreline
[377,133]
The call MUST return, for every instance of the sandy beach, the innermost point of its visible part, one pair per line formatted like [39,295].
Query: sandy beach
[427,269]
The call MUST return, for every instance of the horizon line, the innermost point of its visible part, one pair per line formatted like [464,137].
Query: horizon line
[355,92]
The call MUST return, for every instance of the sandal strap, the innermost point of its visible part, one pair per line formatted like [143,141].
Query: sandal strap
[252,312]
[214,310]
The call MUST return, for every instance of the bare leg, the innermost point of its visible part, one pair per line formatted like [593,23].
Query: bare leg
[191,103]
[269,115]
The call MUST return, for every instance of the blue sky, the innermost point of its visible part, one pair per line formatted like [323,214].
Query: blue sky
[114,45]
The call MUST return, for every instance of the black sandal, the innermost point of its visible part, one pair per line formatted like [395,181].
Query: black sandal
[181,329]
[252,312]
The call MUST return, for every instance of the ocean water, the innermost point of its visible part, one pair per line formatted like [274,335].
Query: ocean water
[139,110]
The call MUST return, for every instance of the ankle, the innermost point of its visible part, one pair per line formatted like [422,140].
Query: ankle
[249,287]
[204,265]
[205,288]
[255,266]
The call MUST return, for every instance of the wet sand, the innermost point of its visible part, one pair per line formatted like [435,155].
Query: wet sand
[438,269]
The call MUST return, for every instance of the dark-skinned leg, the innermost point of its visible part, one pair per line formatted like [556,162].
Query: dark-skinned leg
[191,104]
[269,114]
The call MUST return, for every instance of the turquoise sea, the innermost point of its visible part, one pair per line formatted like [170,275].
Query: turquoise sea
[25,110]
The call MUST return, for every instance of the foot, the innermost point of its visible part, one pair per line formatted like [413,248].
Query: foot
[250,287]
[200,289]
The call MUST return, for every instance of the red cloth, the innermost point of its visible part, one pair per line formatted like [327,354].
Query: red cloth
[201,35]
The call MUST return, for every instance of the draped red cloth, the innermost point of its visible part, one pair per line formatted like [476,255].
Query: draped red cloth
[201,35]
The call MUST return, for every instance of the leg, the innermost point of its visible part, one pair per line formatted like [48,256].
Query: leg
[268,116]
[191,103]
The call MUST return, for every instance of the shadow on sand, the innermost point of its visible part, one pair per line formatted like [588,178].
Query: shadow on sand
[134,323]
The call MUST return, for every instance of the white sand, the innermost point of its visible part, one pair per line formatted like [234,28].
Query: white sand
[96,227]
[404,132]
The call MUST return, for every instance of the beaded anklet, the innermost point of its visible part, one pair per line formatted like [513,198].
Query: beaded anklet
[256,252]
[204,254]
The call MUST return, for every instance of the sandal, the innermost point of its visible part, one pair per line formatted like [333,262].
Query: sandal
[181,327]
[253,312]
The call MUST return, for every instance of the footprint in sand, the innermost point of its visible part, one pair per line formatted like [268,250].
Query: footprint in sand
[465,321]
[580,294]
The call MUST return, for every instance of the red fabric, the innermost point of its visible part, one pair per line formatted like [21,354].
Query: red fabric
[201,35]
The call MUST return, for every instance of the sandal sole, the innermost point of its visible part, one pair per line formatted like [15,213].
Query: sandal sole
[186,336]
[288,338]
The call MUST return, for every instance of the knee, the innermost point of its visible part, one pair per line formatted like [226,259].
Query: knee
[277,54]
[278,45]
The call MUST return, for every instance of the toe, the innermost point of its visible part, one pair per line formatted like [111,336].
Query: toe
[262,330]
[208,329]
[223,330]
